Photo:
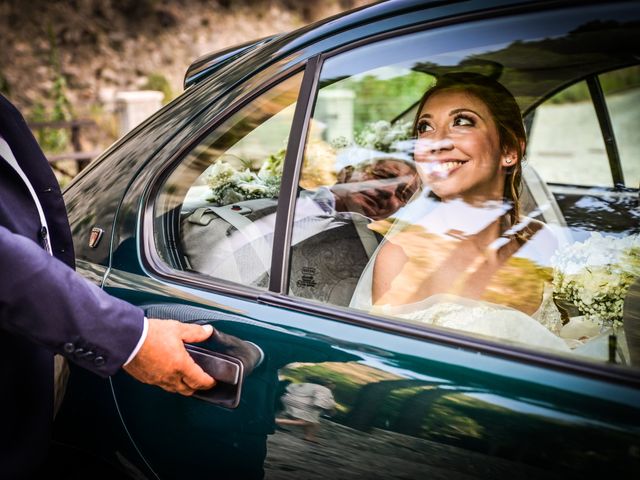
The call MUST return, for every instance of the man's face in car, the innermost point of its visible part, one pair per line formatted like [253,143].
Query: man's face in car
[377,189]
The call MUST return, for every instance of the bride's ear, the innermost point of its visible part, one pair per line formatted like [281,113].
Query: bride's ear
[509,159]
[511,156]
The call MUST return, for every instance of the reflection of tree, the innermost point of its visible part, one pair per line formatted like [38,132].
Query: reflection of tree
[537,68]
[347,377]
[382,98]
[422,401]
[371,399]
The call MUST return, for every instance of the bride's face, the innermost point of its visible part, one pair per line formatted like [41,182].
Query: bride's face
[458,151]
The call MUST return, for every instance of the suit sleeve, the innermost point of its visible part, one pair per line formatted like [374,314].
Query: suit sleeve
[44,300]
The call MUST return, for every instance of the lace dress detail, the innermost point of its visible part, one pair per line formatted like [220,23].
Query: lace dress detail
[477,317]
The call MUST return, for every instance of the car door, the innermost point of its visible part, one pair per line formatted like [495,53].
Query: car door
[231,229]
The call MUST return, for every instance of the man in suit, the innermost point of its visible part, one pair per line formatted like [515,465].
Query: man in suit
[47,308]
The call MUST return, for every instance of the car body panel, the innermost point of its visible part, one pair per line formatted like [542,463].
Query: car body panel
[560,415]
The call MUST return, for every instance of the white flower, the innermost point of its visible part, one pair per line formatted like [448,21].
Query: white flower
[229,185]
[382,135]
[596,274]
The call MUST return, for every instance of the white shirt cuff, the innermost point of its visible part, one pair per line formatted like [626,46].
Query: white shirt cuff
[143,337]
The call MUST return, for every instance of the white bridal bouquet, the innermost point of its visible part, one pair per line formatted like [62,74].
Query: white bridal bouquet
[596,274]
[229,185]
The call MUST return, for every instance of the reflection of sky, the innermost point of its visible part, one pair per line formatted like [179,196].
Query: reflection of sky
[593,204]
[528,408]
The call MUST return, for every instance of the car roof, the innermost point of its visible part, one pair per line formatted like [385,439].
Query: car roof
[397,12]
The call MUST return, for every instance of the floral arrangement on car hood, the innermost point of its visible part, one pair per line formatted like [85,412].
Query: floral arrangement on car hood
[596,274]
[229,185]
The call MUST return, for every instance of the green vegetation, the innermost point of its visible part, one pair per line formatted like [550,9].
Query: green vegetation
[620,80]
[54,140]
[378,98]
[158,82]
[612,82]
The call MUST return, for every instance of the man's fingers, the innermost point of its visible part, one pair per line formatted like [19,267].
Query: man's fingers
[195,384]
[195,333]
[163,360]
[195,377]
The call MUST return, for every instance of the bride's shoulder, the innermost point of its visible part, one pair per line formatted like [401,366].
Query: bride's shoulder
[390,252]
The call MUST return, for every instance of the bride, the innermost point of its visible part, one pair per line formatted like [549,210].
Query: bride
[461,255]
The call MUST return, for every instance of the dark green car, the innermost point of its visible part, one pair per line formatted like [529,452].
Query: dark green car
[289,198]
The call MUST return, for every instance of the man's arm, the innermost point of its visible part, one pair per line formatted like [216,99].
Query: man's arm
[44,300]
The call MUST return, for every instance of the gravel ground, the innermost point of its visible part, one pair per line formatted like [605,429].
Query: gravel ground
[344,453]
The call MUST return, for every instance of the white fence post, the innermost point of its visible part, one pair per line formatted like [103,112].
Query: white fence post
[134,107]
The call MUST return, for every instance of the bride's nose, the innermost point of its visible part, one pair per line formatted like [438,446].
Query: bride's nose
[435,144]
[440,144]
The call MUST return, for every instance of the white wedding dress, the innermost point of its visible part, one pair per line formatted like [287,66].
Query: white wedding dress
[452,311]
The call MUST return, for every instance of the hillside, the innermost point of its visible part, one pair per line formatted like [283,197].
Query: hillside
[63,59]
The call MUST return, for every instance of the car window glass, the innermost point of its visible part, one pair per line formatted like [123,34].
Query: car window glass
[215,212]
[427,212]
[622,92]
[565,131]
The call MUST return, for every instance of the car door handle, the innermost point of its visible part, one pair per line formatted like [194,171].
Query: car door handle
[228,372]
[226,358]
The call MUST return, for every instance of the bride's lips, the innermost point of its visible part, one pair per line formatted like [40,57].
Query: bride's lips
[441,168]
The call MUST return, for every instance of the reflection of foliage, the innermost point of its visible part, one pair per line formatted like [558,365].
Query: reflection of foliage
[396,400]
[611,83]
[480,425]
[536,68]
[383,98]
[518,284]
[318,167]
[446,420]
[347,377]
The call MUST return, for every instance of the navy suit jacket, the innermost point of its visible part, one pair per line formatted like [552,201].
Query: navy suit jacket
[45,306]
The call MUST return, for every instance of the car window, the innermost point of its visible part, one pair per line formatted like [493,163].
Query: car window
[565,131]
[215,213]
[622,93]
[435,210]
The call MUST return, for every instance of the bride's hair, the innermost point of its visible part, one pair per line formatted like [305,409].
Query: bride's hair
[506,114]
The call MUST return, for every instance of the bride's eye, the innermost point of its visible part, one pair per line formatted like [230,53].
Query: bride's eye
[463,121]
[423,127]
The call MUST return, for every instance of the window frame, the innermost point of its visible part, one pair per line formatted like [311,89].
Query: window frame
[598,100]
[280,297]
[151,259]
[277,293]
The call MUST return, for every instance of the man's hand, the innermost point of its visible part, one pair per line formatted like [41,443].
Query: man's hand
[163,360]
